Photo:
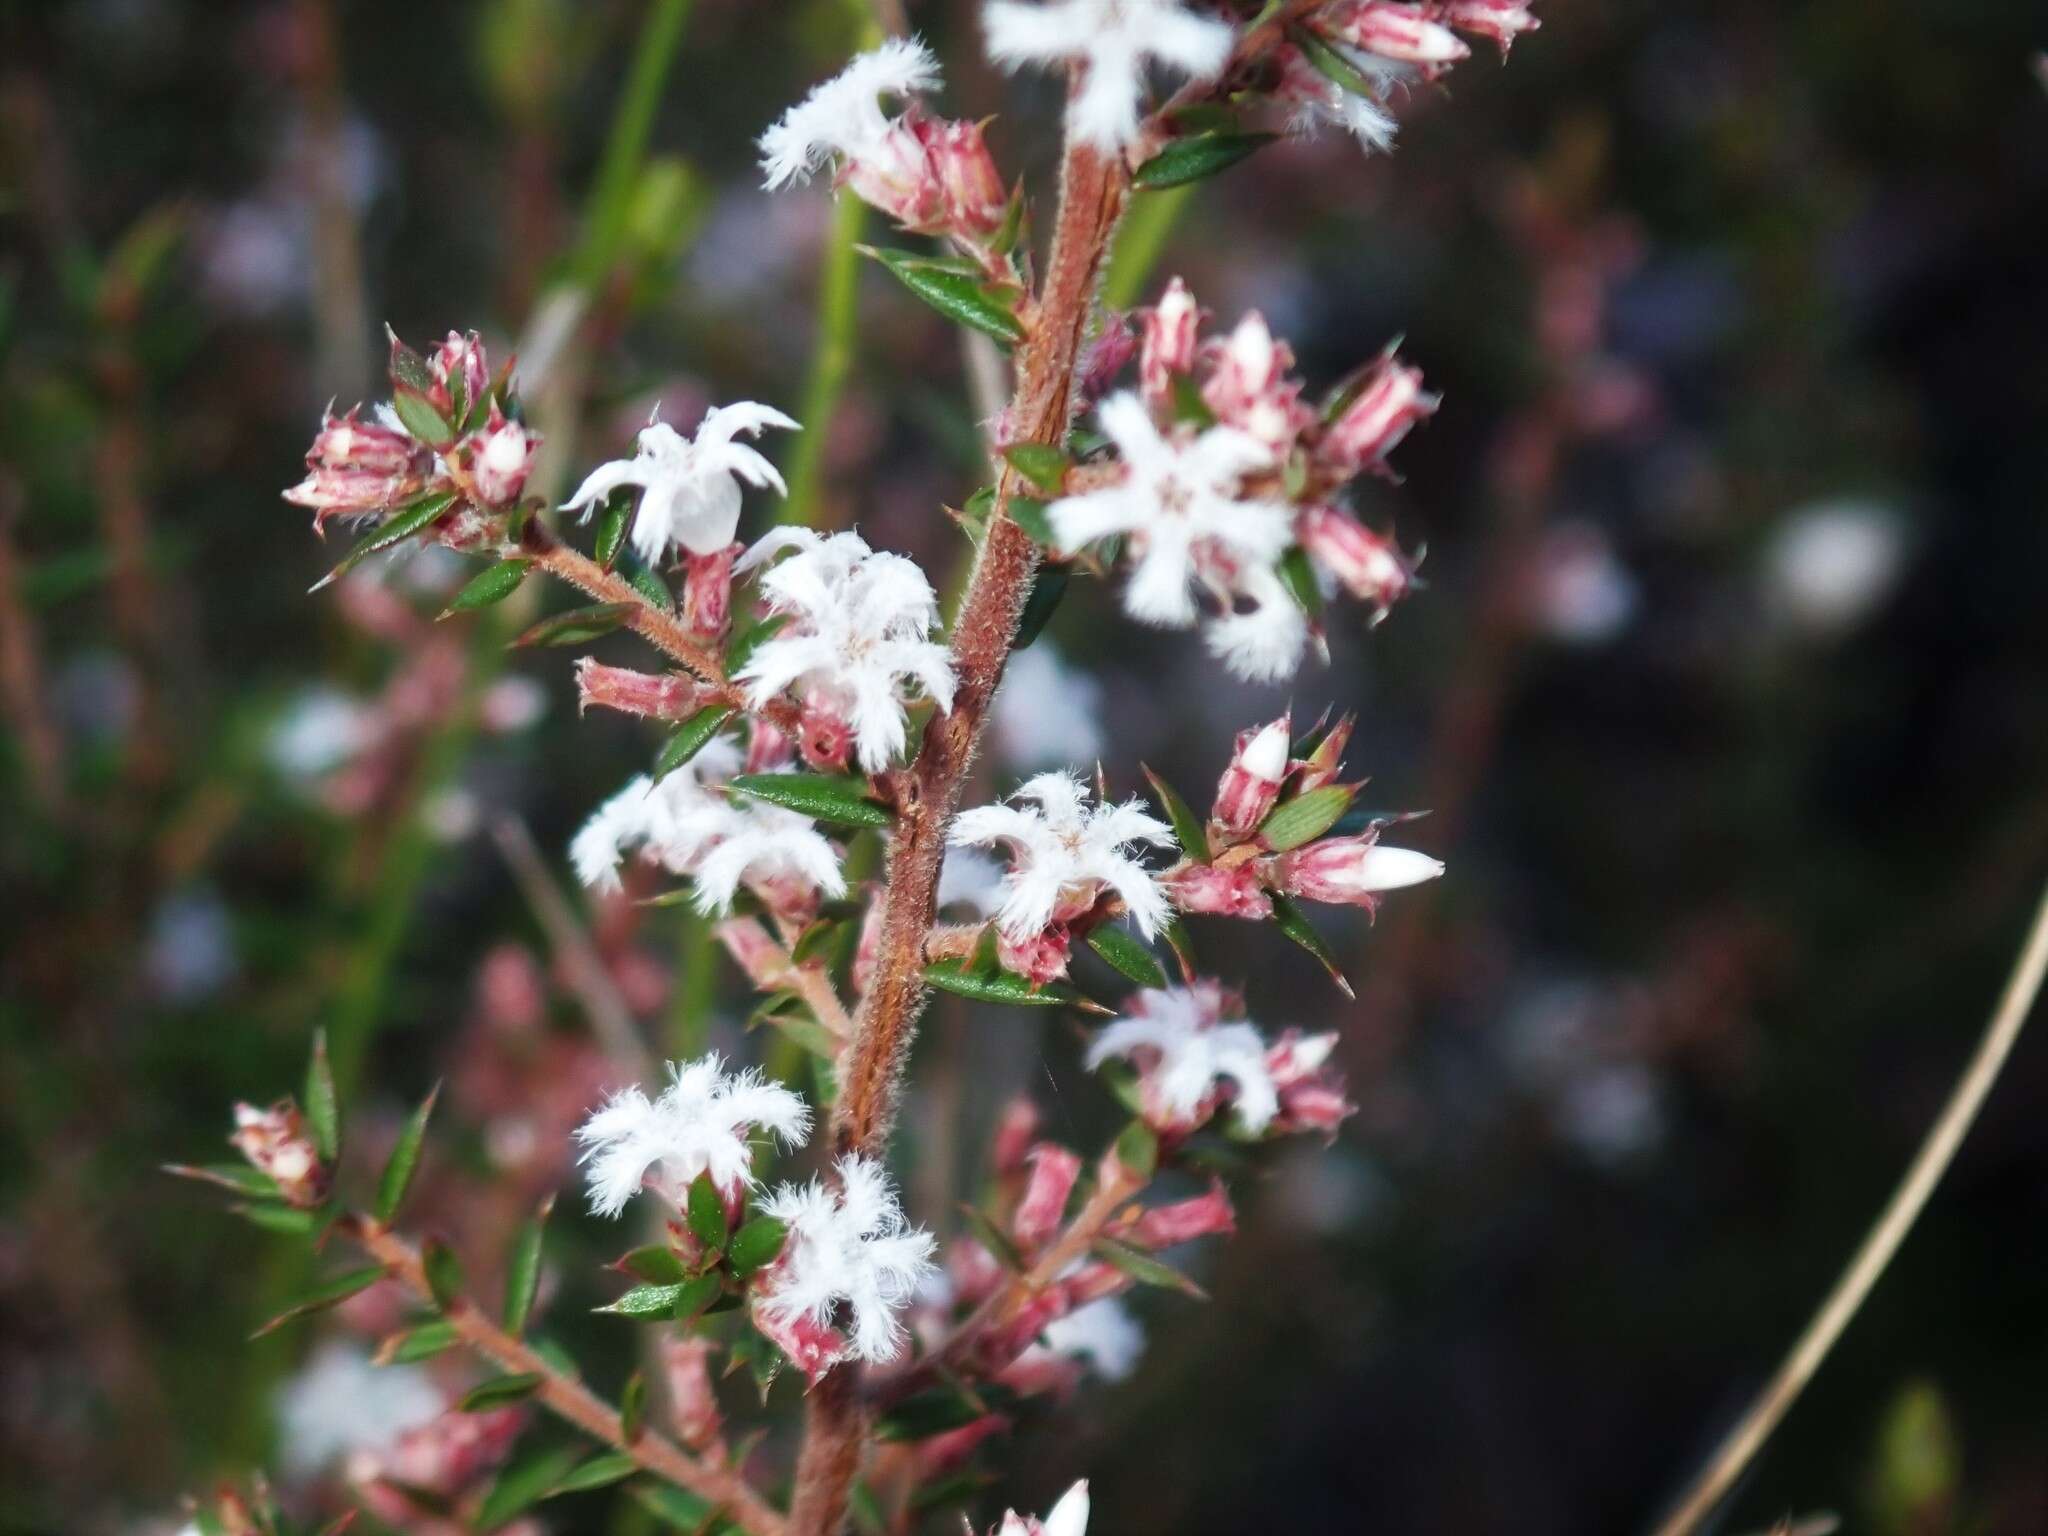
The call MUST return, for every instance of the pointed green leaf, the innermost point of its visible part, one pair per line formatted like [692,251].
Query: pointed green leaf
[755,1245]
[415,1344]
[1306,817]
[601,1471]
[649,584]
[1299,577]
[1040,463]
[522,1269]
[444,1272]
[491,585]
[633,1408]
[1195,157]
[820,796]
[1129,956]
[676,1508]
[1030,515]
[1143,1268]
[402,525]
[1001,987]
[239,1177]
[284,1220]
[690,738]
[578,626]
[656,1263]
[958,296]
[1137,1148]
[1048,586]
[329,1293]
[1331,64]
[696,1297]
[500,1390]
[523,1484]
[1187,827]
[408,369]
[705,1211]
[1292,921]
[612,524]
[323,1106]
[417,415]
[404,1160]
[645,1301]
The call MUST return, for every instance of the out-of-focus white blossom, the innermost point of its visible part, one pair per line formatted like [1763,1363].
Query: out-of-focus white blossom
[848,1245]
[858,632]
[1183,1048]
[1178,499]
[1114,39]
[1069,1517]
[703,1122]
[690,491]
[843,115]
[1103,1333]
[1046,712]
[338,1403]
[1831,562]
[1063,850]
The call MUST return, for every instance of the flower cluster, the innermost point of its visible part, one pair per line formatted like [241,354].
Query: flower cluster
[700,1124]
[1111,40]
[1225,483]
[277,1143]
[449,427]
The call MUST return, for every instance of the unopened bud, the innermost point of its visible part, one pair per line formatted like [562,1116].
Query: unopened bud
[1352,871]
[1250,785]
[1389,405]
[972,193]
[500,455]
[1249,387]
[1205,890]
[1404,33]
[1166,342]
[707,592]
[1323,765]
[1498,21]
[276,1142]
[1184,1220]
[1040,958]
[461,371]
[664,696]
[1044,1205]
[1368,565]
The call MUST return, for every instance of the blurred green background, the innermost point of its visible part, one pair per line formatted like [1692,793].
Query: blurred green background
[1727,689]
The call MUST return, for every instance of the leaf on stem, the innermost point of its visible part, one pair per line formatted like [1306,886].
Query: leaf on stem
[1128,955]
[1197,156]
[820,796]
[690,738]
[958,295]
[404,1161]
[1292,921]
[329,1293]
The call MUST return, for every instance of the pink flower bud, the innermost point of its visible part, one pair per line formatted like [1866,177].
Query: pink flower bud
[1091,1282]
[707,591]
[500,454]
[825,739]
[459,362]
[1184,1220]
[692,1404]
[1053,1172]
[1403,33]
[974,1271]
[1249,388]
[811,1347]
[943,1453]
[357,468]
[1014,1134]
[971,189]
[1104,357]
[768,749]
[276,1142]
[894,172]
[1166,347]
[1368,565]
[1040,958]
[1498,21]
[1311,1093]
[1389,405]
[1251,783]
[1206,890]
[669,696]
[1323,765]
[370,446]
[1352,871]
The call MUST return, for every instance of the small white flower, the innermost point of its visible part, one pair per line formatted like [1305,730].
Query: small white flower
[1263,643]
[762,845]
[1063,849]
[1113,38]
[1182,1048]
[849,1245]
[843,115]
[1045,712]
[690,493]
[1069,1517]
[317,732]
[1317,99]
[701,1123]
[1103,1333]
[339,1403]
[858,633]
[1178,496]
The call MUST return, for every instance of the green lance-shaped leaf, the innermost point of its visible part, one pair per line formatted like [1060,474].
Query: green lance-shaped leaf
[284,1220]
[491,585]
[956,977]
[959,296]
[600,1471]
[415,1344]
[1197,156]
[633,1408]
[522,1269]
[821,796]
[323,1104]
[444,1272]
[402,525]
[612,524]
[656,1264]
[1292,921]
[1129,956]
[500,1390]
[1187,826]
[238,1177]
[1306,817]
[696,1297]
[1030,514]
[755,1245]
[1040,463]
[407,368]
[690,738]
[1299,577]
[417,414]
[1048,587]
[329,1293]
[523,1484]
[579,626]
[646,1301]
[1137,1148]
[1331,64]
[1143,1268]
[705,1212]
[404,1160]
[676,1508]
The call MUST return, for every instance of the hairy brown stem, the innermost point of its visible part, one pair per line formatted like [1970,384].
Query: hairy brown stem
[569,1398]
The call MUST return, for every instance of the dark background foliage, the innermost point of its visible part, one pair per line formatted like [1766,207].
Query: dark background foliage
[1727,690]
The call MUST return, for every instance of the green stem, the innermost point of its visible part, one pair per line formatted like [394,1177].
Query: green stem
[831,357]
[1141,242]
[625,150]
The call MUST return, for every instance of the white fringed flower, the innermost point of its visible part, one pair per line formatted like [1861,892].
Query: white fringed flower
[1178,499]
[1113,38]
[1069,1517]
[1262,643]
[1317,99]
[858,634]
[852,1245]
[339,1403]
[1183,1049]
[843,116]
[1063,850]
[690,827]
[1103,1333]
[690,492]
[703,1122]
